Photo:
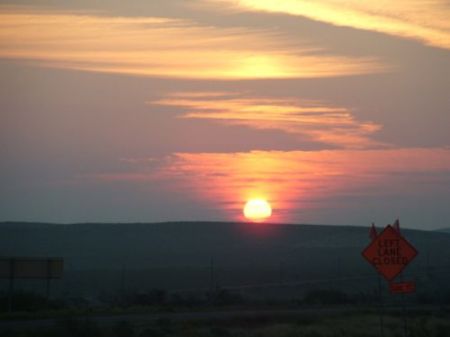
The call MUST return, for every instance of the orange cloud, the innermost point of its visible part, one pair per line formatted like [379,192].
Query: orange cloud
[162,47]
[314,120]
[422,20]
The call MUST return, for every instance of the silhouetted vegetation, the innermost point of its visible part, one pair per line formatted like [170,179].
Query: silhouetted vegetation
[124,329]
[326,296]
[29,301]
[230,270]
[153,297]
[342,325]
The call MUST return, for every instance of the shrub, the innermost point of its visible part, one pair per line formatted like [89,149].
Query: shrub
[325,296]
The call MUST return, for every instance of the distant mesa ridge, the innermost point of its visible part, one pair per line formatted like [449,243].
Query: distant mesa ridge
[148,245]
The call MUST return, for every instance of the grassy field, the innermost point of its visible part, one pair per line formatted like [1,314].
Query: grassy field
[353,324]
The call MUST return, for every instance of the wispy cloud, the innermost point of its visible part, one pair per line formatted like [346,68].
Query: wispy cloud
[163,47]
[313,120]
[424,20]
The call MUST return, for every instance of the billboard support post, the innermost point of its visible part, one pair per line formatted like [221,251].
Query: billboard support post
[12,270]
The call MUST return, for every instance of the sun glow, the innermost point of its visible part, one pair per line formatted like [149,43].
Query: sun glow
[257,210]
[297,184]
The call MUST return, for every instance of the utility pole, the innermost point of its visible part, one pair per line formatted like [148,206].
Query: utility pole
[281,273]
[48,279]
[212,281]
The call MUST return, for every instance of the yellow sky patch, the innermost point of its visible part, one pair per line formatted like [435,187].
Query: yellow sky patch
[162,47]
[424,20]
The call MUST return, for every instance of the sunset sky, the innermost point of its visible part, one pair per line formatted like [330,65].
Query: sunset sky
[335,112]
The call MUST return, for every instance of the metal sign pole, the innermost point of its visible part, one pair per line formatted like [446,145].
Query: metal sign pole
[405,318]
[389,253]
[381,307]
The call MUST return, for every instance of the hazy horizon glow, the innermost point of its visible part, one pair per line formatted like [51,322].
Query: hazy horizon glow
[304,181]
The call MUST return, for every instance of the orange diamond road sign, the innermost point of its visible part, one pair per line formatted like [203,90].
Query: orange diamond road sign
[389,253]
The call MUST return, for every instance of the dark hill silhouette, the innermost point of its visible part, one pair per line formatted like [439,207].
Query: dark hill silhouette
[243,253]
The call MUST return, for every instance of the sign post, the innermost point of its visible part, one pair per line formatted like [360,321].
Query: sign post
[389,253]
[13,268]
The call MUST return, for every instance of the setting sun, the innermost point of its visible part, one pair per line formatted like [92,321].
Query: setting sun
[257,210]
